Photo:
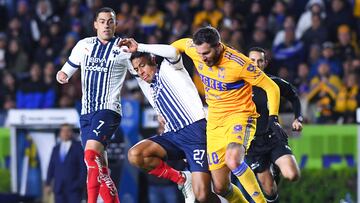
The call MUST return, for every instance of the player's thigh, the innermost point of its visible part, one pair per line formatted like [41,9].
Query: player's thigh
[147,148]
[192,141]
[288,166]
[221,180]
[99,126]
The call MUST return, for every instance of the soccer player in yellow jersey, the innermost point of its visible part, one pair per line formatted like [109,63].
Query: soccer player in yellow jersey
[228,76]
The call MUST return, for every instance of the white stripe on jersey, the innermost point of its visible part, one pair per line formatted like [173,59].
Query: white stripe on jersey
[103,70]
[174,96]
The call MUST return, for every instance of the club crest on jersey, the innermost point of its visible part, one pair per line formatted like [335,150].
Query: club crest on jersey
[221,73]
[200,66]
[115,52]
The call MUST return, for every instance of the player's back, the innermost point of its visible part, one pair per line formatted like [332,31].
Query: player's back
[103,68]
[227,88]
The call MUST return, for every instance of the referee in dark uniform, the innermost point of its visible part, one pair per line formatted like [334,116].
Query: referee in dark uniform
[269,149]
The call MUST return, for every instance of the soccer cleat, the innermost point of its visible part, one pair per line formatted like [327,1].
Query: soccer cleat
[186,188]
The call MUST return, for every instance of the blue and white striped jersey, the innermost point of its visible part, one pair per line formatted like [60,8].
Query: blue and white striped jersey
[103,70]
[174,96]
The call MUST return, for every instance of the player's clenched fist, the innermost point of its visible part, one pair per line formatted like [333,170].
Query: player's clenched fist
[61,77]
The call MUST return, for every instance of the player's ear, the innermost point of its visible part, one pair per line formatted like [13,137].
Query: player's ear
[95,25]
[153,59]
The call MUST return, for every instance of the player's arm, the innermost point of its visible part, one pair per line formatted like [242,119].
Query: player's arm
[162,50]
[252,74]
[71,65]
[288,91]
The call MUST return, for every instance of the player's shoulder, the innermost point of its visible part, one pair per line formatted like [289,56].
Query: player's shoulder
[88,40]
[232,55]
[186,42]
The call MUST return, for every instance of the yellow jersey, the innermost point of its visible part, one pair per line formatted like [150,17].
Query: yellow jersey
[228,85]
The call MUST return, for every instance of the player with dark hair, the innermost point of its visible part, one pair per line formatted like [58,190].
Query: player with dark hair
[228,77]
[103,67]
[268,147]
[171,92]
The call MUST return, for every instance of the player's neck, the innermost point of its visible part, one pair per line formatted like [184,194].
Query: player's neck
[103,41]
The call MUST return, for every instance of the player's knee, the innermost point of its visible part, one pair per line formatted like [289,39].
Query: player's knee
[201,193]
[134,156]
[292,175]
[269,190]
[222,190]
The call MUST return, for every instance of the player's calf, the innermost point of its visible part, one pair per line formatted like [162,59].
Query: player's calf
[92,158]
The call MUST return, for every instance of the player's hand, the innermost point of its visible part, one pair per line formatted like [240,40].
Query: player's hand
[130,43]
[297,125]
[275,126]
[61,77]
[47,189]
[161,120]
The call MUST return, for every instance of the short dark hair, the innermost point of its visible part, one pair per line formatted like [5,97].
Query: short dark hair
[208,35]
[103,10]
[257,49]
[149,57]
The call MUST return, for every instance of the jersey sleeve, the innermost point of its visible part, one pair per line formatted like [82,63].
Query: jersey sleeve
[289,93]
[162,50]
[251,73]
[74,61]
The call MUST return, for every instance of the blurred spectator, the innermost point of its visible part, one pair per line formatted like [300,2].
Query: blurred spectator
[346,100]
[210,15]
[324,88]
[229,14]
[260,39]
[328,56]
[345,48]
[67,171]
[8,91]
[314,54]
[27,28]
[44,52]
[237,40]
[302,79]
[17,59]
[2,50]
[316,34]
[289,23]
[176,22]
[34,93]
[88,16]
[122,17]
[3,16]
[152,19]
[56,36]
[73,12]
[290,53]
[277,16]
[313,7]
[338,14]
[43,15]
[254,11]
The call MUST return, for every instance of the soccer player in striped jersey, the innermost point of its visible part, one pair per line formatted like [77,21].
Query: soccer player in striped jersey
[228,77]
[173,95]
[269,148]
[103,67]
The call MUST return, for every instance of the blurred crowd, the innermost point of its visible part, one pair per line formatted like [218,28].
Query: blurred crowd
[312,44]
